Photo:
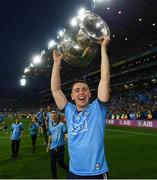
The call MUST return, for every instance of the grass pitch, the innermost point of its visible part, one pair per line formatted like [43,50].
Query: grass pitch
[130,152]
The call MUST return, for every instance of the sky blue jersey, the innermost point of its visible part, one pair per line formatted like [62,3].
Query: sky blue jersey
[86,138]
[57,133]
[40,117]
[49,117]
[33,128]
[16,131]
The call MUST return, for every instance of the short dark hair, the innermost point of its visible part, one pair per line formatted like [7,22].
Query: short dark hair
[79,81]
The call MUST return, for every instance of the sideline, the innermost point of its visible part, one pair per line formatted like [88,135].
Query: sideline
[131,132]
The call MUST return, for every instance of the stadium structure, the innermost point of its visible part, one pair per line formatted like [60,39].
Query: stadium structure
[132,53]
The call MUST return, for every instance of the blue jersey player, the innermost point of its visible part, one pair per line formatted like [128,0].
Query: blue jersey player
[56,141]
[15,136]
[41,121]
[48,118]
[33,129]
[85,121]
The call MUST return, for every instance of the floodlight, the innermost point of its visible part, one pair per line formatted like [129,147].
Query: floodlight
[26,70]
[37,60]
[81,11]
[42,52]
[51,44]
[74,21]
[31,65]
[61,32]
[23,82]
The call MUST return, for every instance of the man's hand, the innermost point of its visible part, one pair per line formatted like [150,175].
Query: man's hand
[57,57]
[66,137]
[48,148]
[104,41]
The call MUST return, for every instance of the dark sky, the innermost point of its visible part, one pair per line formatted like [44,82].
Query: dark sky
[26,27]
[25,30]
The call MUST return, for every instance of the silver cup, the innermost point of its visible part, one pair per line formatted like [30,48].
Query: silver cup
[79,45]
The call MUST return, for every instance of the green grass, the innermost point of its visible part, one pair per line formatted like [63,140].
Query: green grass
[29,165]
[131,153]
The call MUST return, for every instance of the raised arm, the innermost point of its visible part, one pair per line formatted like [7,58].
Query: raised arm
[57,93]
[104,84]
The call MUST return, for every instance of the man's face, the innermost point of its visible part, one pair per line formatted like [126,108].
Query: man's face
[81,95]
[17,120]
[54,116]
[48,108]
[33,119]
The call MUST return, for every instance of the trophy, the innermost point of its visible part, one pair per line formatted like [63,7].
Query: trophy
[79,45]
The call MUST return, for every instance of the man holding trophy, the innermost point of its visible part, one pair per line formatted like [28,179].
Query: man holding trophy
[85,121]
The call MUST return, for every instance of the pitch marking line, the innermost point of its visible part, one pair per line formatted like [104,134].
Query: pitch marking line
[132,132]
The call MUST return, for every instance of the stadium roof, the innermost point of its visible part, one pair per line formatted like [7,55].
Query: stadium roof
[129,21]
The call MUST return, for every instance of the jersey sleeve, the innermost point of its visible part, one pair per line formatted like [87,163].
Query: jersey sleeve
[68,110]
[102,108]
[37,125]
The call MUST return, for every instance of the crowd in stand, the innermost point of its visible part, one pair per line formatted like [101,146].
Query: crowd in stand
[138,48]
[133,105]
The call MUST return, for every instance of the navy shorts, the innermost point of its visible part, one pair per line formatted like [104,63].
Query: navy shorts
[100,176]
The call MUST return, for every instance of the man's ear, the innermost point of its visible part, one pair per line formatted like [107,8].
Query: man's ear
[72,97]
